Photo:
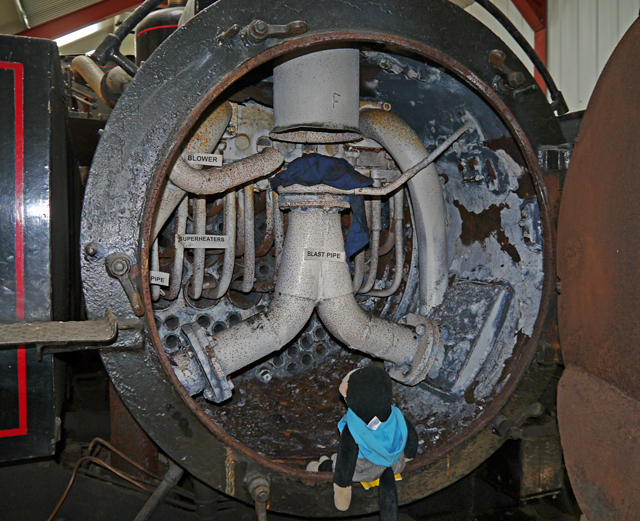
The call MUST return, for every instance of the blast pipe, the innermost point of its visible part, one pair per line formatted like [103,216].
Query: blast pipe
[307,279]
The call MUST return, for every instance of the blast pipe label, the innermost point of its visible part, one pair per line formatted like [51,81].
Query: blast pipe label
[323,255]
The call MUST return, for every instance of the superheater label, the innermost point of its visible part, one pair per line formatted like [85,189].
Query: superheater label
[204,241]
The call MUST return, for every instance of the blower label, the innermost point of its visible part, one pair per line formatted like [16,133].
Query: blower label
[204,241]
[321,255]
[159,278]
[204,159]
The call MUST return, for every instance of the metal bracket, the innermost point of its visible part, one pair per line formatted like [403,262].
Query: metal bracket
[58,337]
[259,30]
[219,386]
[507,79]
[427,353]
[119,267]
[90,331]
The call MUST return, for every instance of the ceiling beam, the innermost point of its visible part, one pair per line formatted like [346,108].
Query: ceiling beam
[534,12]
[80,18]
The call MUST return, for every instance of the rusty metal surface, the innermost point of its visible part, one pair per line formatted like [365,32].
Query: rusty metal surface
[599,304]
[598,233]
[600,435]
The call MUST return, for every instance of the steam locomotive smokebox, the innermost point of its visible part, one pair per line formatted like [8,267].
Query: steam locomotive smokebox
[36,233]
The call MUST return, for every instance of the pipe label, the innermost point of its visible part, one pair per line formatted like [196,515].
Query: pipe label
[204,241]
[204,159]
[159,278]
[322,255]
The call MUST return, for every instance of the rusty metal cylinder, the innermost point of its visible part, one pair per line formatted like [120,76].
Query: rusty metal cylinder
[316,97]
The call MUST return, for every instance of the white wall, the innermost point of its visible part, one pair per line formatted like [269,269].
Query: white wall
[581,36]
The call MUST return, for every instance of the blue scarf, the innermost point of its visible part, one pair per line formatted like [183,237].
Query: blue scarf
[384,445]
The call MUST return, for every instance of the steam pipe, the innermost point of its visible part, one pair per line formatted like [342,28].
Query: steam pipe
[278,225]
[376,226]
[155,266]
[426,195]
[267,241]
[399,235]
[358,272]
[230,253]
[389,242]
[178,259]
[171,198]
[249,241]
[240,225]
[199,254]
[216,180]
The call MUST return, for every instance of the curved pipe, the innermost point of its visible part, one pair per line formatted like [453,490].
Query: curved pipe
[360,330]
[178,260]
[171,198]
[267,240]
[204,141]
[199,205]
[358,272]
[216,180]
[210,132]
[230,253]
[426,195]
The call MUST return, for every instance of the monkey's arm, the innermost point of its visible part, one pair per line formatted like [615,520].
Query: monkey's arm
[346,460]
[344,470]
[411,447]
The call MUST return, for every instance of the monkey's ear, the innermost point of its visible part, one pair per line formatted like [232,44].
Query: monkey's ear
[345,383]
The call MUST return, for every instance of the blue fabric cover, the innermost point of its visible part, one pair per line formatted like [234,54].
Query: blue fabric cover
[313,169]
[384,445]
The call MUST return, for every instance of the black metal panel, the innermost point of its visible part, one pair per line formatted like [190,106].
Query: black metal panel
[34,233]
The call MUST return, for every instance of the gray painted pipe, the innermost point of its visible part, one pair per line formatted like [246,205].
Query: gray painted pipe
[426,196]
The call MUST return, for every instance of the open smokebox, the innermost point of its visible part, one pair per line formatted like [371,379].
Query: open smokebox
[257,303]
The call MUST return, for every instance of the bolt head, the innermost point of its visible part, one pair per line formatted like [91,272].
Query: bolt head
[92,249]
[260,27]
[118,267]
[420,329]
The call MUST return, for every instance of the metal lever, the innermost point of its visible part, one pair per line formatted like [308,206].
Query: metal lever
[259,30]
[119,267]
[503,426]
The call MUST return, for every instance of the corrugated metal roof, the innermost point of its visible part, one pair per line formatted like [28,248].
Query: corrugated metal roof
[41,11]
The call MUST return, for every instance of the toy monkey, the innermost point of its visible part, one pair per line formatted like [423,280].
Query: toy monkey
[376,441]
